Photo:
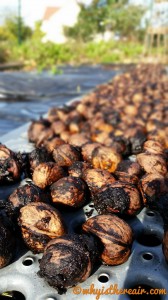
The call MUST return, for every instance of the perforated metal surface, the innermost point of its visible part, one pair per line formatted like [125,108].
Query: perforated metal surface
[145,266]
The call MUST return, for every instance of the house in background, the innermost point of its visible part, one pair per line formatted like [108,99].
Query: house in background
[62,13]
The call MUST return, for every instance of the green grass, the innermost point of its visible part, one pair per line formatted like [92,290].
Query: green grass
[49,55]
[4,52]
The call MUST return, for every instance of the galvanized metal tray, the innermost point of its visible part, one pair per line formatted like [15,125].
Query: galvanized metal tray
[145,269]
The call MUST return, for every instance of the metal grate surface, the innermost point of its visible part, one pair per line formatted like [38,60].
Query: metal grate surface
[146,267]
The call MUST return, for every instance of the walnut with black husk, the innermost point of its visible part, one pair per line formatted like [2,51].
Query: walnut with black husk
[39,224]
[87,151]
[128,171]
[47,173]
[118,197]
[105,158]
[23,195]
[78,168]
[10,169]
[37,128]
[53,143]
[152,187]
[97,179]
[137,136]
[6,244]
[78,139]
[65,155]
[115,235]
[69,191]
[153,159]
[68,260]
[38,156]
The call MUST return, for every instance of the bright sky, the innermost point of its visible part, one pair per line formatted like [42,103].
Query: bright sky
[31,10]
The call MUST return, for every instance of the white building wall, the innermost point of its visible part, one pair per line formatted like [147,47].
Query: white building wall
[66,16]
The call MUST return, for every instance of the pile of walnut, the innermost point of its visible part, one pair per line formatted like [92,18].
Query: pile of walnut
[82,154]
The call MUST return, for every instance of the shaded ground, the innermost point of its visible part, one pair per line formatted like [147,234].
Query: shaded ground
[25,96]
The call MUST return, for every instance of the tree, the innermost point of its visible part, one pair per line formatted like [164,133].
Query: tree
[37,33]
[127,20]
[9,30]
[89,22]
[116,16]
